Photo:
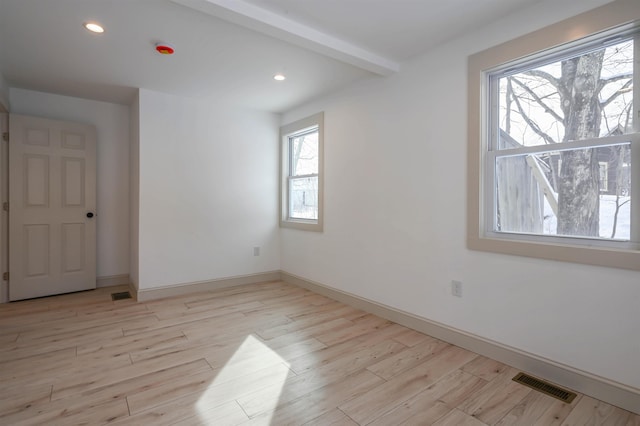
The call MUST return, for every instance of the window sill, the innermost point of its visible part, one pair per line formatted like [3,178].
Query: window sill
[302,225]
[588,255]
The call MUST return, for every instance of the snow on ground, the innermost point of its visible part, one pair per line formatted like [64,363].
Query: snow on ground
[607,213]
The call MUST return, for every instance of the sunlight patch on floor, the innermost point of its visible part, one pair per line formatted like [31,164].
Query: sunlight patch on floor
[252,367]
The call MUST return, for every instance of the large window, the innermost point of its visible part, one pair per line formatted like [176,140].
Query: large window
[558,135]
[301,165]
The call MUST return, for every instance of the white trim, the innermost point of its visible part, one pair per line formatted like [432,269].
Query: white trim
[144,295]
[606,390]
[4,196]
[629,138]
[112,280]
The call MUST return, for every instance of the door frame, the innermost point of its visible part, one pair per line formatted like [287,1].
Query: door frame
[4,198]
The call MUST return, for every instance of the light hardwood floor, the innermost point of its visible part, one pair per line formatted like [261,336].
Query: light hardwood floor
[260,354]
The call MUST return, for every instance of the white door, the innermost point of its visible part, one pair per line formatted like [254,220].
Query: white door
[52,206]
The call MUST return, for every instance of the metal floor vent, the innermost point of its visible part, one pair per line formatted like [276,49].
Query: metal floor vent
[545,387]
[121,296]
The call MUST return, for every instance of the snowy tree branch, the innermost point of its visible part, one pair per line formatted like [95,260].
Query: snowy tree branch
[604,81]
[534,126]
[545,75]
[537,98]
[617,93]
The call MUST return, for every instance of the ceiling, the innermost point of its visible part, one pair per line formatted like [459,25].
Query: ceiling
[226,50]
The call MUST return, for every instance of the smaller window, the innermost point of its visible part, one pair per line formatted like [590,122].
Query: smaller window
[301,169]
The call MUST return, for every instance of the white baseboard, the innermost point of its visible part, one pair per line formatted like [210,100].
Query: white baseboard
[112,280]
[144,295]
[597,387]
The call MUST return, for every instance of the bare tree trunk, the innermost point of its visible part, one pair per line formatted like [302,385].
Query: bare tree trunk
[578,200]
[578,181]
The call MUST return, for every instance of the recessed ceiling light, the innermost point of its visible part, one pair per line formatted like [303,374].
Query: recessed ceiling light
[93,27]
[279,77]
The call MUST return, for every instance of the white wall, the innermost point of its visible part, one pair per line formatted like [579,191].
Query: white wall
[208,191]
[112,124]
[395,220]
[134,190]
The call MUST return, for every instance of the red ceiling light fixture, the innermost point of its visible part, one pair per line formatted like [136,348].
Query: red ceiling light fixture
[165,49]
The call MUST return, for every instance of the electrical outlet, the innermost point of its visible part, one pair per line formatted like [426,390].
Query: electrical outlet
[456,288]
[256,251]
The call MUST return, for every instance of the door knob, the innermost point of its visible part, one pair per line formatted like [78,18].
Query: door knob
[90,215]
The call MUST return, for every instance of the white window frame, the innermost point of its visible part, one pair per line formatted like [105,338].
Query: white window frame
[607,21]
[286,133]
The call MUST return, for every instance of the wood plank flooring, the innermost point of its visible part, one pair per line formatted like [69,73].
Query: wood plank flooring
[261,354]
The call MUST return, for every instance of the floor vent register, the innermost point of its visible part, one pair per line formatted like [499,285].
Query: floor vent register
[121,296]
[545,387]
